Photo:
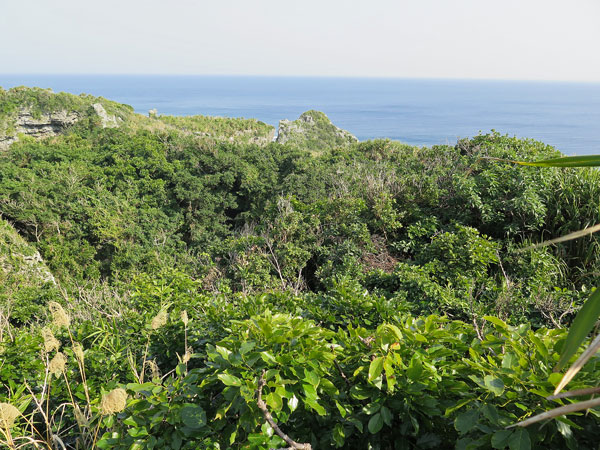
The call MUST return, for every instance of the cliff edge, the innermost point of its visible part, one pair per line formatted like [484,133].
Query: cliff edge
[314,131]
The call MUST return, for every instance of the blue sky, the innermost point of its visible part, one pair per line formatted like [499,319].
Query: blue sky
[509,39]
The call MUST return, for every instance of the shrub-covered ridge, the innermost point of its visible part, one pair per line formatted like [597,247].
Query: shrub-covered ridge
[377,295]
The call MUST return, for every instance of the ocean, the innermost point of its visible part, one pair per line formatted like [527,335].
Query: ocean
[415,111]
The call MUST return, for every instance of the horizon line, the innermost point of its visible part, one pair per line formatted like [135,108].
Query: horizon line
[355,77]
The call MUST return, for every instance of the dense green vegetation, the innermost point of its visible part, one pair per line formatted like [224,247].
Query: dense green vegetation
[241,131]
[376,295]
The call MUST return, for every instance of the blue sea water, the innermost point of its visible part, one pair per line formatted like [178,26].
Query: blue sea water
[418,112]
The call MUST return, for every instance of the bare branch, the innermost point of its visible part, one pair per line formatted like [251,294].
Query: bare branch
[339,369]
[573,407]
[263,407]
[575,393]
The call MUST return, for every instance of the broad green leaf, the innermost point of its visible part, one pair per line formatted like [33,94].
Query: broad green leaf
[136,387]
[314,405]
[387,416]
[394,329]
[543,351]
[229,380]
[311,377]
[564,429]
[268,358]
[390,376]
[491,413]
[359,392]
[584,322]
[429,440]
[554,378]
[496,321]
[371,408]
[176,440]
[338,435]
[376,367]
[224,352]
[341,409]
[309,392]
[466,421]
[415,369]
[193,416]
[274,401]
[519,440]
[493,384]
[375,423]
[328,387]
[246,347]
[500,438]
[357,423]
[509,360]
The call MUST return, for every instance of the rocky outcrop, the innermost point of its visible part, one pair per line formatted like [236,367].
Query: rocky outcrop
[5,141]
[106,120]
[46,124]
[40,126]
[50,124]
[313,130]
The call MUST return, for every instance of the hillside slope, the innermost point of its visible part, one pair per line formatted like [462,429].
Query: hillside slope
[368,293]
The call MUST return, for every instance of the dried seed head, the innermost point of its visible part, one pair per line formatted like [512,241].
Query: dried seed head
[78,351]
[50,342]
[153,368]
[187,355]
[80,417]
[57,364]
[113,402]
[159,320]
[184,317]
[59,317]
[8,414]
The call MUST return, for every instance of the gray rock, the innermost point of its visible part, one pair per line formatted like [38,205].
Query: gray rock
[106,120]
[37,264]
[46,125]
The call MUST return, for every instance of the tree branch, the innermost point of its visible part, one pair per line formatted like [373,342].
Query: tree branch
[263,407]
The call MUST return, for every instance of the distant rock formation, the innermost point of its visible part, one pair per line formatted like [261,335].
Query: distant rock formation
[41,113]
[53,123]
[45,125]
[107,121]
[313,130]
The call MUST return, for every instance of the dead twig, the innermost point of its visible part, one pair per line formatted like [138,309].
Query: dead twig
[587,391]
[339,369]
[263,407]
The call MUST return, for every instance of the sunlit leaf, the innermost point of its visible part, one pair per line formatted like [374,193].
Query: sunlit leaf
[376,367]
[568,161]
[493,384]
[229,380]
